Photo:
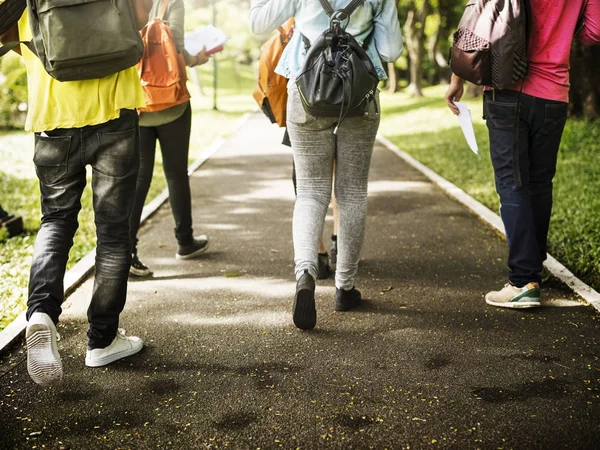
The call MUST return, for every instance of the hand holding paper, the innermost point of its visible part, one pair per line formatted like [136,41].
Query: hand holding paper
[466,123]
[210,38]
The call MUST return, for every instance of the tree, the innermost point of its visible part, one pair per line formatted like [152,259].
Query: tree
[417,12]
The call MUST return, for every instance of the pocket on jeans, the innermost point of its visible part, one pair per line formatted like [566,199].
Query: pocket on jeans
[117,152]
[296,113]
[556,116]
[501,115]
[51,157]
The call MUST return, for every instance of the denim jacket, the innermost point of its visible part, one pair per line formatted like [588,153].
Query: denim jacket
[377,16]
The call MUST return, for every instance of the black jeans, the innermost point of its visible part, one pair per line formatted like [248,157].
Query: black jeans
[526,208]
[174,138]
[60,160]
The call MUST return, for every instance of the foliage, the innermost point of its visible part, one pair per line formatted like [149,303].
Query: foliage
[13,91]
[575,227]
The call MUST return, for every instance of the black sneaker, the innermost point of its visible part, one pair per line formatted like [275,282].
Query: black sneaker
[323,269]
[334,252]
[305,313]
[347,300]
[198,246]
[13,225]
[138,268]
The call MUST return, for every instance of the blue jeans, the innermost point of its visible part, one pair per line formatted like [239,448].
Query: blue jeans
[525,207]
[60,161]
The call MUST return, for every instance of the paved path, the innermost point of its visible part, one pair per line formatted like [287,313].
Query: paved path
[424,364]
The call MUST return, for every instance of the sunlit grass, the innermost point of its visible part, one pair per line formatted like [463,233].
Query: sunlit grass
[427,130]
[19,191]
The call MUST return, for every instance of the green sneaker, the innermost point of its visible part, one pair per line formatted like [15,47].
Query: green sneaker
[513,297]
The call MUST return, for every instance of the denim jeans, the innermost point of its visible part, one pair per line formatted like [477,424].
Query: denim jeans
[316,150]
[60,159]
[174,138]
[525,207]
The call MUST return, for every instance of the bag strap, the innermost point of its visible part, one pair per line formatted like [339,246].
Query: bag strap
[10,13]
[162,9]
[347,11]
[10,45]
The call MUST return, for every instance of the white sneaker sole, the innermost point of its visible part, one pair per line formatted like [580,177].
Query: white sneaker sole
[105,360]
[43,361]
[139,273]
[515,305]
[194,254]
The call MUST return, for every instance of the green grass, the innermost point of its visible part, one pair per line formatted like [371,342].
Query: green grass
[427,130]
[19,191]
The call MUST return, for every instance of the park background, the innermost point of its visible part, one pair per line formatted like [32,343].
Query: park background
[415,118]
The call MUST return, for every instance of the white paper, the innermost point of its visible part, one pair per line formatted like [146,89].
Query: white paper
[466,123]
[207,37]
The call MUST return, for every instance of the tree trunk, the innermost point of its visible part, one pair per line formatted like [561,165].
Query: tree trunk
[393,78]
[415,44]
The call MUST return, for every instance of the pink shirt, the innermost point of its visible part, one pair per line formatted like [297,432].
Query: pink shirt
[553,25]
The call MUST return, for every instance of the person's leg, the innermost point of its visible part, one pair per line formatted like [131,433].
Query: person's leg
[62,178]
[501,110]
[144,180]
[174,139]
[549,122]
[112,150]
[313,147]
[356,138]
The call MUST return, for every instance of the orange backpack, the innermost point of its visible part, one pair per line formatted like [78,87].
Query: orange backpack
[271,91]
[162,68]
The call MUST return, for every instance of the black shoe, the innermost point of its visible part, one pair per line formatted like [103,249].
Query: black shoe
[138,268]
[334,252]
[13,225]
[347,300]
[200,245]
[323,269]
[305,313]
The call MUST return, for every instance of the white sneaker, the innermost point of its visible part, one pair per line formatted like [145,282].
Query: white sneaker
[43,360]
[121,347]
[513,297]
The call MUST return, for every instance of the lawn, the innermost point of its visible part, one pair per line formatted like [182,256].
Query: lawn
[427,130]
[19,191]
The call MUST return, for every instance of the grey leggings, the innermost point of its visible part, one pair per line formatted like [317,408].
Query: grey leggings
[314,148]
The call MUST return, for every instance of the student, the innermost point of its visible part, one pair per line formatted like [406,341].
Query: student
[315,150]
[171,127]
[80,123]
[544,97]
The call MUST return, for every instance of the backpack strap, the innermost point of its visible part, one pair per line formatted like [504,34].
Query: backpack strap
[162,9]
[11,45]
[10,13]
[347,11]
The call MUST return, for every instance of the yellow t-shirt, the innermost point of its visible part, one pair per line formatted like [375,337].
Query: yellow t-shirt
[75,104]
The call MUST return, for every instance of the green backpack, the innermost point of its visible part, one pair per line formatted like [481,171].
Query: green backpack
[83,39]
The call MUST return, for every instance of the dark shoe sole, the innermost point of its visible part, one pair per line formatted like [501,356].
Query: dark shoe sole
[305,312]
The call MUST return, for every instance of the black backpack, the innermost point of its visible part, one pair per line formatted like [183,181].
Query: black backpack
[338,78]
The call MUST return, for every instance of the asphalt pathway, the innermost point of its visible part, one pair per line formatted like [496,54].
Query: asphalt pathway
[424,363]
